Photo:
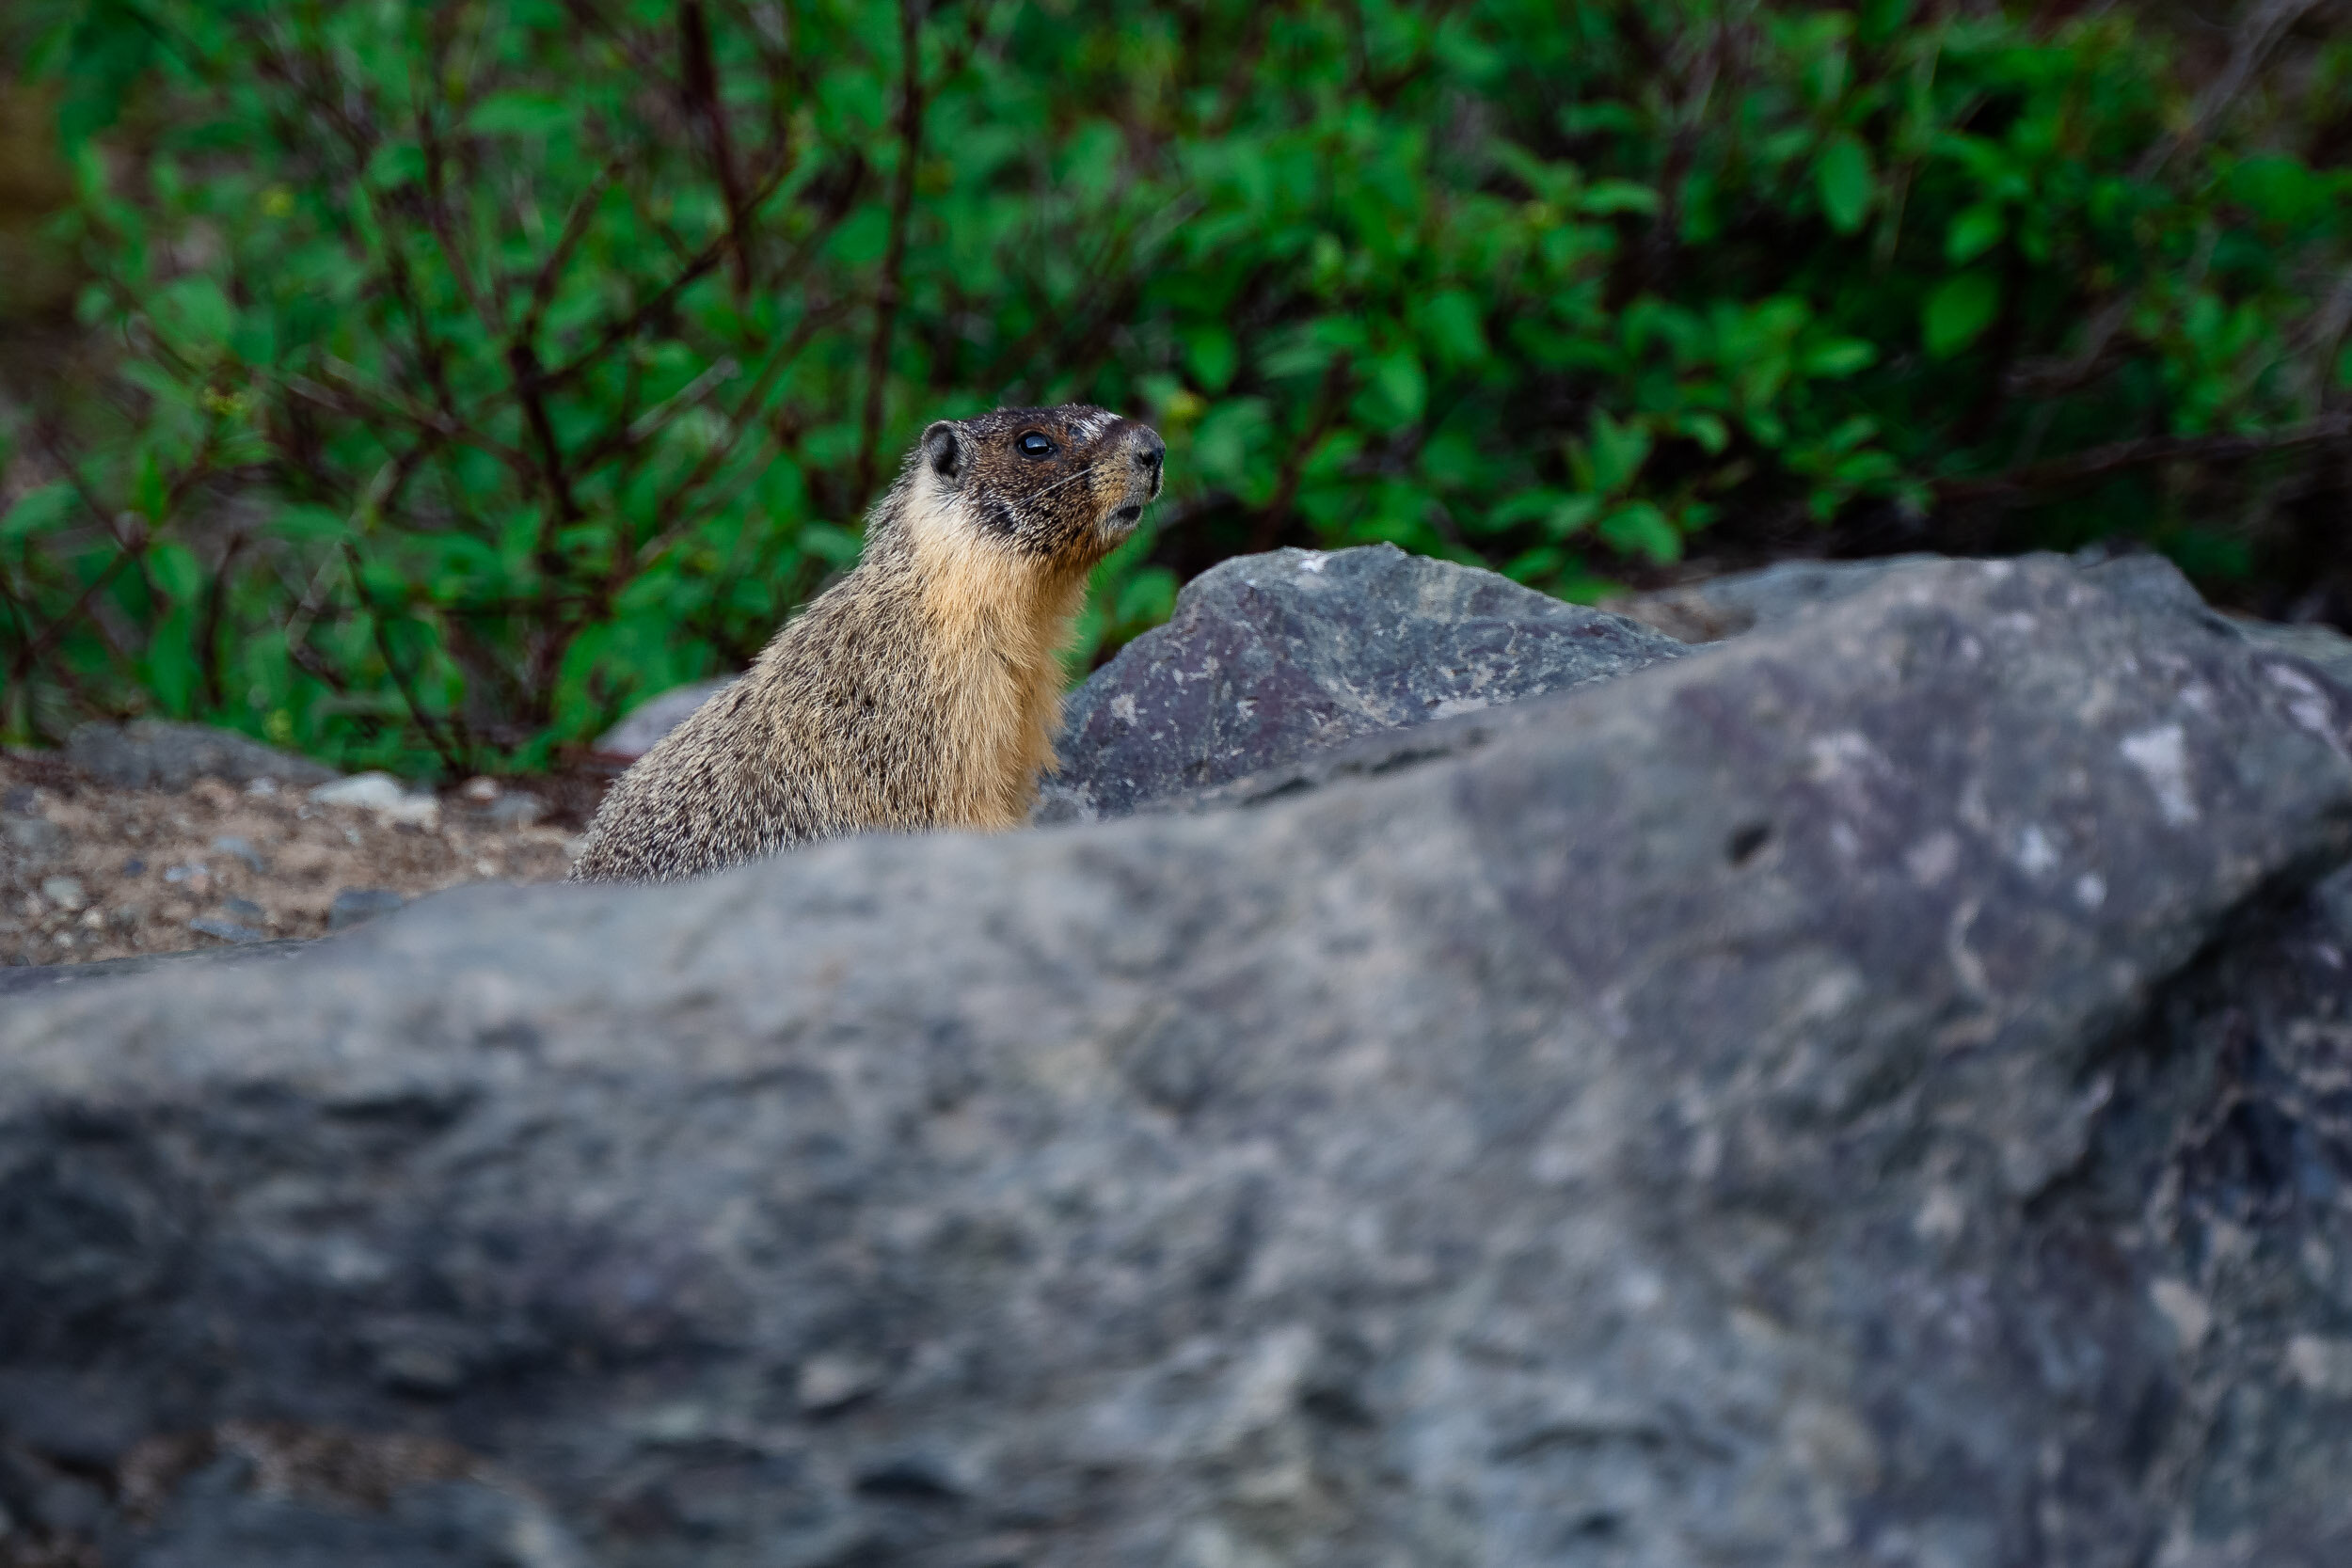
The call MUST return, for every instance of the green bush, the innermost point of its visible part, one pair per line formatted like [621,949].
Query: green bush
[483,366]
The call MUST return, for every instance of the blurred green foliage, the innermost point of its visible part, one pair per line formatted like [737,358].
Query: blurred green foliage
[483,366]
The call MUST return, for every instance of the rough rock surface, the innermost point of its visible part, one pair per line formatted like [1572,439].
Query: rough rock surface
[1716,607]
[1873,1092]
[153,754]
[1271,658]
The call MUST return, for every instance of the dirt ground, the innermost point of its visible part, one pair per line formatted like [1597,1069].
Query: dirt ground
[90,871]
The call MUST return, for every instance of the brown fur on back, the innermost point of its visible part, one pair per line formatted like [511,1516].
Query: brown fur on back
[924,690]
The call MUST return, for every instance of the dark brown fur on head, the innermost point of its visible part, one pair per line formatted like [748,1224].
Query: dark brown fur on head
[1066,484]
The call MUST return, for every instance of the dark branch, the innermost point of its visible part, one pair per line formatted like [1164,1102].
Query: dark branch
[701,76]
[887,293]
[2019,485]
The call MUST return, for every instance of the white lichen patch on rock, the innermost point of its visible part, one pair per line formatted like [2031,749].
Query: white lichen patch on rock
[2161,754]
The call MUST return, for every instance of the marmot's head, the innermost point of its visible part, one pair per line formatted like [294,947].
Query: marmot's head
[1062,484]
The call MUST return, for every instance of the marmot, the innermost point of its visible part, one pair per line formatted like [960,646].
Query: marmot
[922,691]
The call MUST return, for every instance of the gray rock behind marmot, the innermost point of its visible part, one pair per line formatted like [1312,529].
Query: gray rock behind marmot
[156,753]
[1713,608]
[1270,658]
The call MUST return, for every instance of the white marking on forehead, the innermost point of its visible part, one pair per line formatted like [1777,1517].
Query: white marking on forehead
[1090,425]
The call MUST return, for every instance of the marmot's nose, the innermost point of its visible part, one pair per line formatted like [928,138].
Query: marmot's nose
[1150,453]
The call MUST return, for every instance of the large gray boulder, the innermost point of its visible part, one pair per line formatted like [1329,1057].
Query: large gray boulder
[1869,1093]
[1269,659]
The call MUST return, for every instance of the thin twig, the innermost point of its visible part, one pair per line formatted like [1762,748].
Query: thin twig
[208,629]
[2116,456]
[576,225]
[698,266]
[447,749]
[1336,378]
[356,405]
[701,77]
[886,292]
[39,645]
[2250,44]
[436,218]
[672,516]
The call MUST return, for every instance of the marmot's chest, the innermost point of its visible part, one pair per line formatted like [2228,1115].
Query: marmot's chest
[998,678]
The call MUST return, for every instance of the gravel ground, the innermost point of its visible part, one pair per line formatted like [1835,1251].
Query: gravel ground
[88,870]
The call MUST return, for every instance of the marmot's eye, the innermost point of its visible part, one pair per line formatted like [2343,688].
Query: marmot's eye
[1034,445]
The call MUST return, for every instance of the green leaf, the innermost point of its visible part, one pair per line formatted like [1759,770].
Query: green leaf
[1707,429]
[1451,323]
[1838,358]
[171,661]
[150,494]
[1211,352]
[1398,380]
[1843,178]
[1561,515]
[195,312]
[521,114]
[1641,529]
[1226,440]
[313,524]
[1148,598]
[175,570]
[1572,515]
[1958,313]
[1618,451]
[1975,231]
[397,163]
[38,511]
[1604,197]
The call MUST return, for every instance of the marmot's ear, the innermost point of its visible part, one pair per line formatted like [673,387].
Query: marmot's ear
[943,449]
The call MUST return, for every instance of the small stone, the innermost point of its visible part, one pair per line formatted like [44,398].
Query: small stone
[381,794]
[245,911]
[36,836]
[134,867]
[93,920]
[479,789]
[518,810]
[243,851]
[226,930]
[64,891]
[354,906]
